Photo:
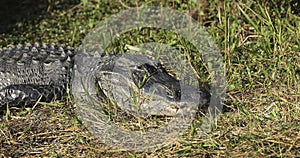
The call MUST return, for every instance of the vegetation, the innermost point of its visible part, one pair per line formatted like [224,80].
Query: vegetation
[260,45]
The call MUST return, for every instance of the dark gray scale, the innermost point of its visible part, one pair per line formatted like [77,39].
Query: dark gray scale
[33,71]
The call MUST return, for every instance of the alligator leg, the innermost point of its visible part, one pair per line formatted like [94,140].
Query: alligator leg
[28,94]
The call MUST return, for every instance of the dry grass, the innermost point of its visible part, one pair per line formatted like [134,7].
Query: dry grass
[260,47]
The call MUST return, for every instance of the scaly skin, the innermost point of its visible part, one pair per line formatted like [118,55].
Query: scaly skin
[33,71]
[44,72]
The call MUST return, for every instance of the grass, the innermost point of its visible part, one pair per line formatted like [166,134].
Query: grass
[260,45]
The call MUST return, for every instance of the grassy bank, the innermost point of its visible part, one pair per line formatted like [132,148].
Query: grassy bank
[261,50]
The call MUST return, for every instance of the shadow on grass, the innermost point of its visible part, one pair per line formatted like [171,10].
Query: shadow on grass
[13,12]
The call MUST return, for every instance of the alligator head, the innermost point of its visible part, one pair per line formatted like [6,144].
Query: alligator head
[142,86]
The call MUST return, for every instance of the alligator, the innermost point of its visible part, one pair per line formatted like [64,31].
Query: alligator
[44,72]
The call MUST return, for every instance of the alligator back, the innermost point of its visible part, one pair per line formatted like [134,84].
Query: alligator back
[32,71]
